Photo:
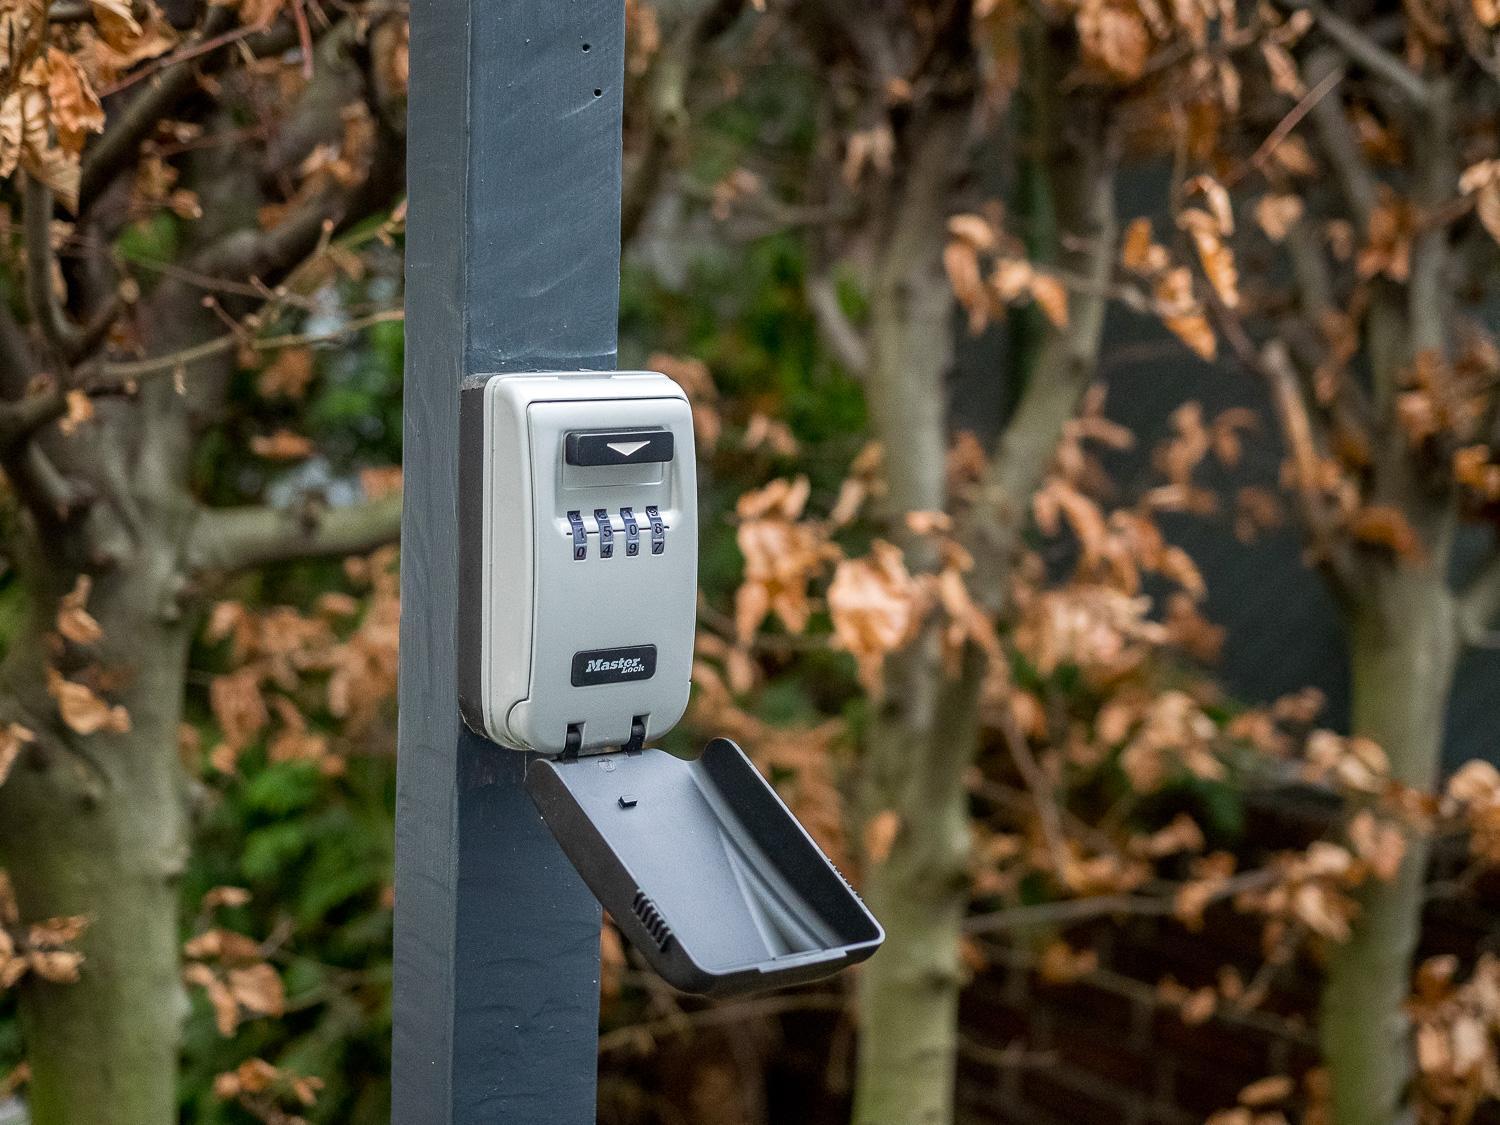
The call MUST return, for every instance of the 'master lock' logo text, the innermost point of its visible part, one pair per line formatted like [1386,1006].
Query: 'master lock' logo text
[614,665]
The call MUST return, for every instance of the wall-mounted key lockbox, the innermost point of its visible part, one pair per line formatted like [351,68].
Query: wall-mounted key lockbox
[577,612]
[580,568]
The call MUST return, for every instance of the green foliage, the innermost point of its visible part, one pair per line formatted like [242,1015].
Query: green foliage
[149,243]
[316,855]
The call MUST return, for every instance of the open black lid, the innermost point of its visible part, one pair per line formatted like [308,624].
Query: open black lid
[703,868]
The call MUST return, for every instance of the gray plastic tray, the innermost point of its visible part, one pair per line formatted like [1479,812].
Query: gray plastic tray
[703,868]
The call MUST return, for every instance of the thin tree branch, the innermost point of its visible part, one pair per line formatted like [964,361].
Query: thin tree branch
[235,539]
[735,1013]
[18,366]
[45,307]
[268,255]
[130,125]
[1372,56]
[672,73]
[1068,911]
[1339,143]
[119,375]
[847,342]
[316,118]
[1065,366]
[44,484]
[1308,102]
[1428,296]
[1310,268]
[1275,363]
[199,47]
[22,417]
[1043,798]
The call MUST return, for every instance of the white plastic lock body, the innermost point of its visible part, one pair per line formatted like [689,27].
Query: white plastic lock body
[579,573]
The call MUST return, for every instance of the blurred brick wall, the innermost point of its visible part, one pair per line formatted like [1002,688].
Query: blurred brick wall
[1106,1049]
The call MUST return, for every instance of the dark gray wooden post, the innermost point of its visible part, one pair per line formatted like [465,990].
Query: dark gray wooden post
[512,264]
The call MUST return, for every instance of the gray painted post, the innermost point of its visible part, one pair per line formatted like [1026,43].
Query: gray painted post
[512,264]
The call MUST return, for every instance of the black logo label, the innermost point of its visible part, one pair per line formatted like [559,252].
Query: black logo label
[614,665]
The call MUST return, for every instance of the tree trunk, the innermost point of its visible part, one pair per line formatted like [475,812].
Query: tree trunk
[909,991]
[97,826]
[923,733]
[1403,647]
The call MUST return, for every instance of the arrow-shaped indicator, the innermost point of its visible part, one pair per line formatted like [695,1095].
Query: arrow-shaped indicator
[628,448]
[603,450]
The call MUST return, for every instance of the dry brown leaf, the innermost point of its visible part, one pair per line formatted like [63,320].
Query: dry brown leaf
[974,230]
[336,603]
[1380,525]
[13,737]
[28,139]
[1283,69]
[1049,293]
[226,1008]
[23,26]
[871,148]
[876,606]
[1295,157]
[258,989]
[115,19]
[223,945]
[75,105]
[929,522]
[80,410]
[852,495]
[1181,313]
[1199,1006]
[1181,835]
[1277,214]
[1267,1091]
[781,499]
[1379,843]
[1217,258]
[76,110]
[880,835]
[288,375]
[1481,182]
[59,966]
[1392,227]
[82,711]
[74,621]
[12,969]
[224,896]
[239,706]
[1114,39]
[961,261]
[782,556]
[1139,253]
[1060,963]
[56,932]
[771,433]
[380,481]
[1220,209]
[1011,279]
[283,445]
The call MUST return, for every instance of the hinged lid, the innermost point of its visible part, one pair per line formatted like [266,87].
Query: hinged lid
[704,868]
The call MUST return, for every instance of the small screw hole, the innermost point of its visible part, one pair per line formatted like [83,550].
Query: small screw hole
[586,48]
[598,93]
